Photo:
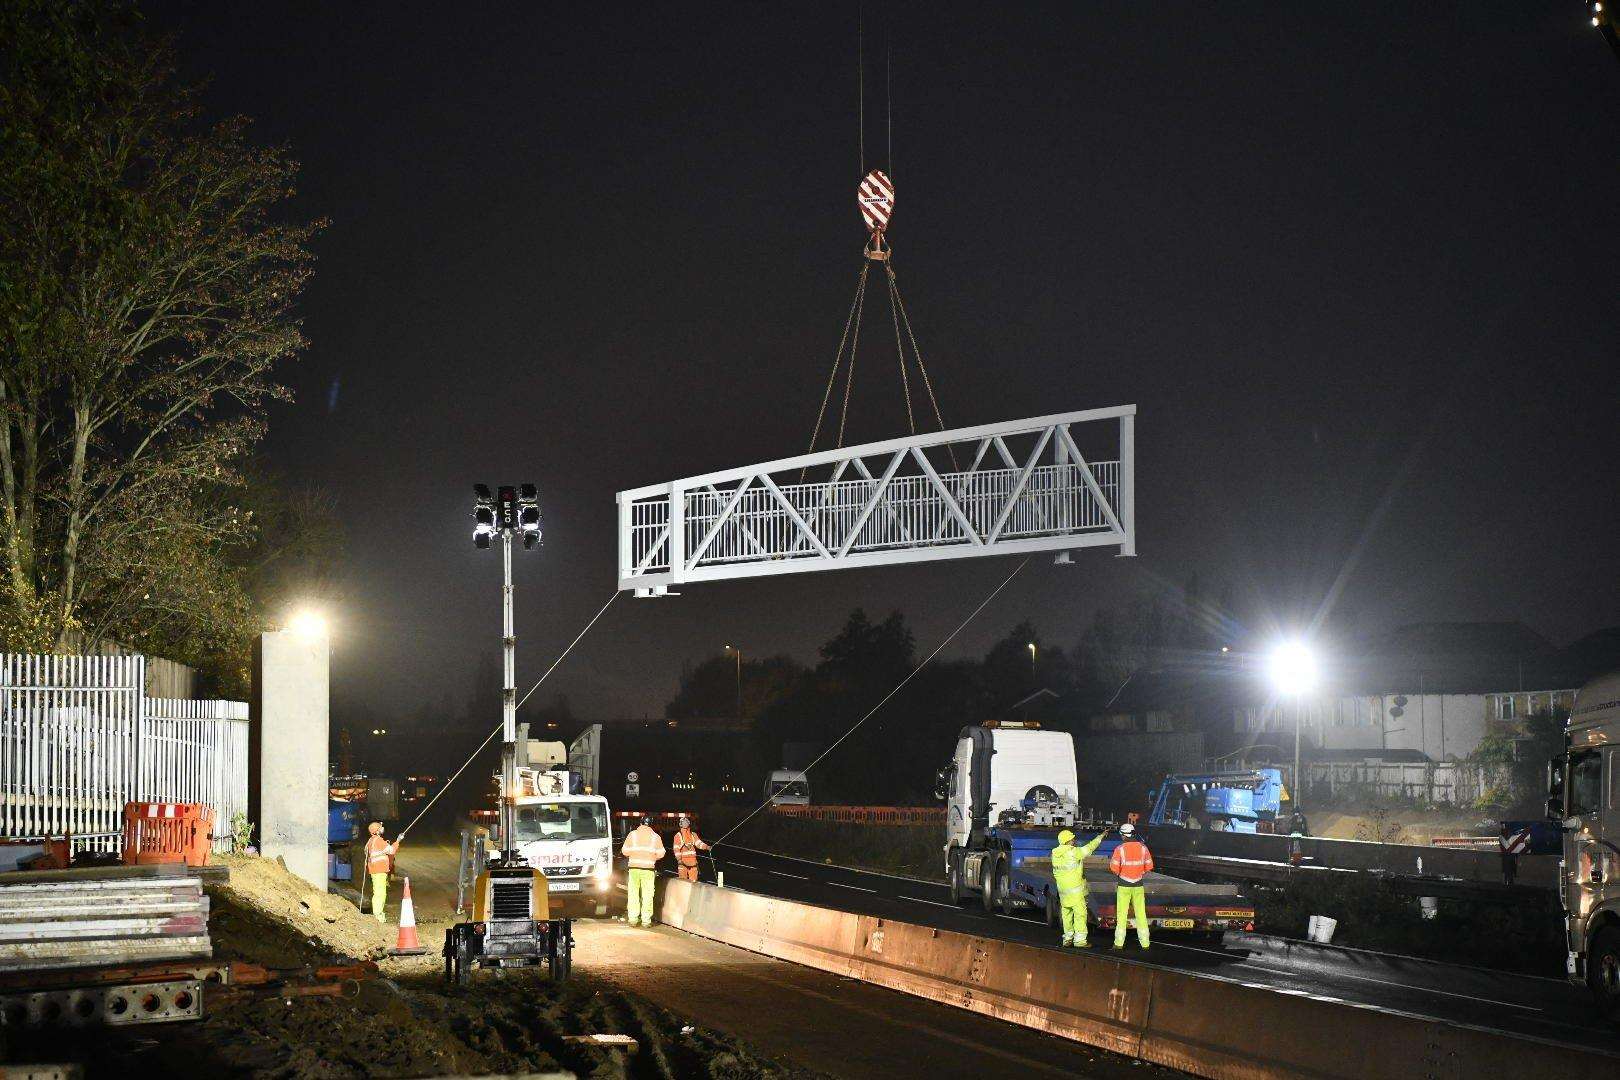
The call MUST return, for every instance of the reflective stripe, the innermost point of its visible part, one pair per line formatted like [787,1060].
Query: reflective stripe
[1067,892]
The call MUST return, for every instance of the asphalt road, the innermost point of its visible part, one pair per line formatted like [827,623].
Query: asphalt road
[797,1015]
[1540,1008]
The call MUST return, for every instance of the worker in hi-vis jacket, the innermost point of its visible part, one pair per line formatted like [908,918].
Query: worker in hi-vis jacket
[1069,874]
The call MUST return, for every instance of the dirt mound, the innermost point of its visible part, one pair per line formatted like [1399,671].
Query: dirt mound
[329,922]
[409,1024]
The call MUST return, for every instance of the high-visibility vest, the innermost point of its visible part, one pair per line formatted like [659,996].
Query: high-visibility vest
[1069,866]
[687,844]
[379,855]
[643,848]
[1131,862]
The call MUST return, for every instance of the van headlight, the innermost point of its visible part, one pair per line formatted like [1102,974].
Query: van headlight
[602,873]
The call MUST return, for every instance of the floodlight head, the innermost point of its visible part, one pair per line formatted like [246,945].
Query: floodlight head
[308,623]
[483,515]
[1292,668]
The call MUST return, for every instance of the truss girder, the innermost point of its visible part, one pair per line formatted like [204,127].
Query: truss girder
[1026,487]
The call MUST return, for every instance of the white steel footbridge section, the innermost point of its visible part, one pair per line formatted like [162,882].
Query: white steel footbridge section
[1048,483]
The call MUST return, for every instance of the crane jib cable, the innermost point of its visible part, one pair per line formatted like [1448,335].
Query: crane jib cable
[805,772]
[490,737]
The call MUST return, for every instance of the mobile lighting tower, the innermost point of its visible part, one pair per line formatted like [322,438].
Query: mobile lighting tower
[512,922]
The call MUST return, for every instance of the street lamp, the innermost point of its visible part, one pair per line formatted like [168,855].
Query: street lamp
[308,623]
[1031,648]
[738,653]
[1292,668]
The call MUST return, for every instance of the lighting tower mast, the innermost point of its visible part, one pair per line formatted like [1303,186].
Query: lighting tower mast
[511,510]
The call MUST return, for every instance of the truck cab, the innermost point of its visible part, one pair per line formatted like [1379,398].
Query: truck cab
[565,835]
[1584,795]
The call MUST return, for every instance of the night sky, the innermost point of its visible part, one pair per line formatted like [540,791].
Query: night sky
[1356,265]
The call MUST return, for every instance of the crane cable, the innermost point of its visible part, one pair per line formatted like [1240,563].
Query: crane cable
[491,736]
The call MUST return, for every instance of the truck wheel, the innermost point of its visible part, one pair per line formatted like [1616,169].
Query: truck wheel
[1603,972]
[953,873]
[991,878]
[1054,913]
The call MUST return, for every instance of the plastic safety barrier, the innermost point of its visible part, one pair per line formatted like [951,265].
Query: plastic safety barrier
[865,815]
[167,833]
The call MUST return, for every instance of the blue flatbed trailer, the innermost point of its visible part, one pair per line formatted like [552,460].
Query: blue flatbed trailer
[1172,904]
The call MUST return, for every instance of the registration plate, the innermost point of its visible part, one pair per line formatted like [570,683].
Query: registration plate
[1177,924]
[1234,914]
[566,886]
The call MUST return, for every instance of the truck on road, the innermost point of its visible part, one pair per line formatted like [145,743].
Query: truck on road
[1584,795]
[563,832]
[1009,789]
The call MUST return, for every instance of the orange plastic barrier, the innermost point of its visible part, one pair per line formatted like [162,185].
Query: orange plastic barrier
[865,815]
[167,833]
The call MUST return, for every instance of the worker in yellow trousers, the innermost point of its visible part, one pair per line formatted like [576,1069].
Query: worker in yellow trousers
[1069,874]
[1131,862]
[642,848]
[379,864]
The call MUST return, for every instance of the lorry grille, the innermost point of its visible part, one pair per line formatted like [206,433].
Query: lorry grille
[510,899]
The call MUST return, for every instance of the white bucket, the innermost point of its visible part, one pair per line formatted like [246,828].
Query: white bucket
[1321,928]
[1429,905]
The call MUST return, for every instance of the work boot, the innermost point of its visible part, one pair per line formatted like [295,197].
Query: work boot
[1068,939]
[1082,943]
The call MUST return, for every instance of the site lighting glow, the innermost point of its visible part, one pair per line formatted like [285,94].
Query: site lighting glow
[1292,668]
[308,623]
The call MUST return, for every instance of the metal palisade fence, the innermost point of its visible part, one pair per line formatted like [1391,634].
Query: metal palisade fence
[79,738]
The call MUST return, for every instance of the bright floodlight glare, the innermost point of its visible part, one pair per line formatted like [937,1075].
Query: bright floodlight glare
[1292,668]
[309,624]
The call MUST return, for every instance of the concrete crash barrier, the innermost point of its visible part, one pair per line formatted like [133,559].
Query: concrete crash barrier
[1201,1025]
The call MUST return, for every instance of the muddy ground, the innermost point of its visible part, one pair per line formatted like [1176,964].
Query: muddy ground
[405,1022]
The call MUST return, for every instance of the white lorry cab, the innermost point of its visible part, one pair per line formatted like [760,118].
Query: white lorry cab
[564,833]
[1584,793]
[996,768]
[787,787]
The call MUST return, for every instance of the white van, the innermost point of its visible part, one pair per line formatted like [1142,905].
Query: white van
[787,787]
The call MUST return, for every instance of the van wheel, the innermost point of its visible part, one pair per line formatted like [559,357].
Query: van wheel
[992,879]
[1603,972]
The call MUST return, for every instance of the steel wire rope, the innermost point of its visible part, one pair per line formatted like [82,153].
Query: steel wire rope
[805,772]
[474,755]
[928,383]
[900,350]
[854,344]
[838,359]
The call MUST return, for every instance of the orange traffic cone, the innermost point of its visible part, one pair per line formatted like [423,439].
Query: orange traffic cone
[407,944]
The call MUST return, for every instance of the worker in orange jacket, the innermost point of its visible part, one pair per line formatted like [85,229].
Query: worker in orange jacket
[642,848]
[687,844]
[1130,863]
[379,864]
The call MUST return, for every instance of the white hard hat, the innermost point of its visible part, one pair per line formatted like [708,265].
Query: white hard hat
[1127,829]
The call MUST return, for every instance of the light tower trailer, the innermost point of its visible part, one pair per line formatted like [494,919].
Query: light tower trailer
[514,921]
[1010,789]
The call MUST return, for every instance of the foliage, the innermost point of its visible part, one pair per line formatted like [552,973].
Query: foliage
[241,832]
[147,285]
[710,689]
[1516,764]
[1377,828]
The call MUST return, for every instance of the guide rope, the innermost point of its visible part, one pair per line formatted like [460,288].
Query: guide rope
[491,736]
[805,772]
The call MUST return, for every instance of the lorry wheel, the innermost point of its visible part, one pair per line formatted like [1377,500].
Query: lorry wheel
[1603,972]
[1054,913]
[954,873]
[992,877]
